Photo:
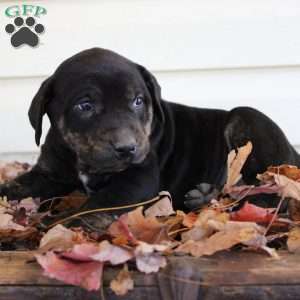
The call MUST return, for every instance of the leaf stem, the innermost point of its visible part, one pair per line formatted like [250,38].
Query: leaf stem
[108,209]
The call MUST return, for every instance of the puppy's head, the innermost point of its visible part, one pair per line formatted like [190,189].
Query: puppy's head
[105,108]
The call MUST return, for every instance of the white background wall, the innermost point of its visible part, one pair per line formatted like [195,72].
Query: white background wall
[206,53]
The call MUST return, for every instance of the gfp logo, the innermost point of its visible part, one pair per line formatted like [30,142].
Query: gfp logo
[25,29]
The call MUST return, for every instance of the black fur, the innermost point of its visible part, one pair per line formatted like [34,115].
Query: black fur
[186,145]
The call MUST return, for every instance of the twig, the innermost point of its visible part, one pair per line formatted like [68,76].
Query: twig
[277,208]
[104,210]
[61,197]
[273,237]
[237,200]
[102,293]
[274,215]
[178,231]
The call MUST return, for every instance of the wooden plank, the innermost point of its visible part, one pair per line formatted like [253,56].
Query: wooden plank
[227,275]
[74,293]
[236,293]
[231,275]
[18,268]
[227,268]
[152,293]
[235,268]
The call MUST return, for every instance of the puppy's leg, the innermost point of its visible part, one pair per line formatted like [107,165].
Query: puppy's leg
[53,175]
[270,145]
[132,186]
[35,183]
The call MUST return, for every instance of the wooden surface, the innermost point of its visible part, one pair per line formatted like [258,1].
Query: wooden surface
[228,275]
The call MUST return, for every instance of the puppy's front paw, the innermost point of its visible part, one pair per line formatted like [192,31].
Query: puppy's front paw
[11,190]
[3,190]
[200,196]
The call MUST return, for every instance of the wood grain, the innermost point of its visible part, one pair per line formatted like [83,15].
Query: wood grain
[227,275]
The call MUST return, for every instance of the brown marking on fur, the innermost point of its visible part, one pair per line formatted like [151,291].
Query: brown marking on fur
[148,125]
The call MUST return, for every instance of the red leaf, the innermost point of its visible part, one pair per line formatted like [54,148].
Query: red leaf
[81,252]
[85,274]
[119,229]
[252,213]
[134,226]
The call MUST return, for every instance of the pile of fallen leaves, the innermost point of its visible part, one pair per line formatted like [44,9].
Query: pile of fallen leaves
[144,238]
[11,170]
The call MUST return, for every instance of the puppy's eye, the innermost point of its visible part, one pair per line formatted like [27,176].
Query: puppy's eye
[85,106]
[138,102]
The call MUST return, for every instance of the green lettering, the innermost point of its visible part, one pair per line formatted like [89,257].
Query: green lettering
[40,11]
[27,9]
[12,11]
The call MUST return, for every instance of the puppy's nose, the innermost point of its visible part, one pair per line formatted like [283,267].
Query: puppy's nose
[125,150]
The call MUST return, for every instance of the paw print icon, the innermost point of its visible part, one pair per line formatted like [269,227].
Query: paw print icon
[24,32]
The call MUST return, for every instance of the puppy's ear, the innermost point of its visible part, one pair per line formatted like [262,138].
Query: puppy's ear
[38,108]
[155,92]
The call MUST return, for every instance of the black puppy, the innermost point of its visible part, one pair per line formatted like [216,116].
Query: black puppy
[112,135]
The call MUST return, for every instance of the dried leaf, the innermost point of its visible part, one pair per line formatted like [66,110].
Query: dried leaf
[25,211]
[9,171]
[119,229]
[196,234]
[150,263]
[235,163]
[202,228]
[74,200]
[234,225]
[134,226]
[11,235]
[252,213]
[242,191]
[188,219]
[210,214]
[122,283]
[81,252]
[293,241]
[173,222]
[120,241]
[107,252]
[85,274]
[85,258]
[30,205]
[20,217]
[289,188]
[146,229]
[294,209]
[58,238]
[233,233]
[292,172]
[15,216]
[161,208]
[147,258]
[7,222]
[145,248]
